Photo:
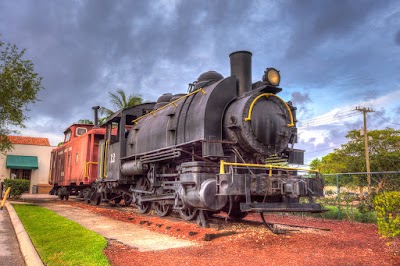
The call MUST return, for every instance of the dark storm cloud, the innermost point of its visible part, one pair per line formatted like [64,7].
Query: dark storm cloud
[300,98]
[84,49]
[338,45]
[315,22]
[302,102]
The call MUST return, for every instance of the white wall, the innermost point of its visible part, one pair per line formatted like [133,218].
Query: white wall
[38,176]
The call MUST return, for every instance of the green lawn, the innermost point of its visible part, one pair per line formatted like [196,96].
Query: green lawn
[60,241]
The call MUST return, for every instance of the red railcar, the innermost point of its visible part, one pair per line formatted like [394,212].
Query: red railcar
[73,165]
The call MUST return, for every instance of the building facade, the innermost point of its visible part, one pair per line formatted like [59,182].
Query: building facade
[29,159]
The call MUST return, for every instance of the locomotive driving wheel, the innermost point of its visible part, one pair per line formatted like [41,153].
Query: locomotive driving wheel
[188,214]
[162,209]
[96,198]
[144,185]
[127,199]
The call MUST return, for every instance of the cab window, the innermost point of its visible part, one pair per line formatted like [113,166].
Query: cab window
[67,136]
[80,131]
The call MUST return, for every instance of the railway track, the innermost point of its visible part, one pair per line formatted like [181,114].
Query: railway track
[218,221]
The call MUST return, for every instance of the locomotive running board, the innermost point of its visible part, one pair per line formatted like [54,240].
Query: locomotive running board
[281,207]
[169,196]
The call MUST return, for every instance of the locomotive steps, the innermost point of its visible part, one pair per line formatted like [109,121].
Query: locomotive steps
[128,234]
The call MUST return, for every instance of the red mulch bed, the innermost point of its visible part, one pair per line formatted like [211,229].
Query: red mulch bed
[346,243]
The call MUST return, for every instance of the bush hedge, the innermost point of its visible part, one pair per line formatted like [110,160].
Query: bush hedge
[387,206]
[18,186]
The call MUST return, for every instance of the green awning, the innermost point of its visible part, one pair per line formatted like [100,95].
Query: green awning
[22,162]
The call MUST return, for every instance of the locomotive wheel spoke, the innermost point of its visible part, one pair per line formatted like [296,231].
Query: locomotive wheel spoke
[144,207]
[117,200]
[99,198]
[127,200]
[95,199]
[162,209]
[143,184]
[188,214]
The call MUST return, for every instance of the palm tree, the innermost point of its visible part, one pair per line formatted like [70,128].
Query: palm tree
[121,101]
[85,121]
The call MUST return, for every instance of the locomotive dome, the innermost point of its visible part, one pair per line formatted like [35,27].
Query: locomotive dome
[208,78]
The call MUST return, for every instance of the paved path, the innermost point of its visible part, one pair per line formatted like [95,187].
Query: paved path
[129,234]
[9,247]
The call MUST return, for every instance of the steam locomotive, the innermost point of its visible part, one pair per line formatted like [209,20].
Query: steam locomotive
[206,151]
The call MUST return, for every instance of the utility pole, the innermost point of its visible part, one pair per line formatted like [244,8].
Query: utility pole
[365,111]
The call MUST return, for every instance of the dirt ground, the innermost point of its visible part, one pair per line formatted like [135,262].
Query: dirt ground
[227,243]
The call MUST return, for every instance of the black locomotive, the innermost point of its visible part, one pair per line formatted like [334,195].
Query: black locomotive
[206,151]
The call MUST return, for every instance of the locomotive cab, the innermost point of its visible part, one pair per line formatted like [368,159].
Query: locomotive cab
[113,148]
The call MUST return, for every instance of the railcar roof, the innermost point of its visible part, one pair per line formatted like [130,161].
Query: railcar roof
[119,113]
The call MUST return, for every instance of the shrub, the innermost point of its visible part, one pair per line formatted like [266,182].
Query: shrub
[18,186]
[387,206]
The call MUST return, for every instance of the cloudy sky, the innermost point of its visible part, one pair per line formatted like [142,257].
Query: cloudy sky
[333,56]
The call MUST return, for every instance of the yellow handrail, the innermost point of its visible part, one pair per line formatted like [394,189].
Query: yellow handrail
[248,118]
[87,168]
[105,158]
[169,104]
[269,166]
[5,197]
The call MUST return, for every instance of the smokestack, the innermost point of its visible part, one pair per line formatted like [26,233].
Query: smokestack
[96,116]
[241,68]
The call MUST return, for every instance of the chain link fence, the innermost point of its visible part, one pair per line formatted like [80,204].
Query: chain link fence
[350,195]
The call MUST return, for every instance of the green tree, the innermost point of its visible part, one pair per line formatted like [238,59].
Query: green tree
[120,100]
[384,150]
[19,85]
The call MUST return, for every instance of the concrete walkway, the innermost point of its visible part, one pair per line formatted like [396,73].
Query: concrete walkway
[129,234]
[9,247]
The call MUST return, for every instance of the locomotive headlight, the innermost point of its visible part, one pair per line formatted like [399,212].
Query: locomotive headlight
[272,76]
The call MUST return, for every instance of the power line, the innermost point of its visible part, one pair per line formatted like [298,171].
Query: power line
[387,120]
[323,120]
[330,117]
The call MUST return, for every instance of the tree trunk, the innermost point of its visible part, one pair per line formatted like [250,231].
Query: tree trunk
[361,194]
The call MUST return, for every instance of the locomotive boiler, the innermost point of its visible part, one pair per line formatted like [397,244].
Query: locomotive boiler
[206,151]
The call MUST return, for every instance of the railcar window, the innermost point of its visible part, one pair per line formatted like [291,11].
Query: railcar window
[76,158]
[80,131]
[112,132]
[67,136]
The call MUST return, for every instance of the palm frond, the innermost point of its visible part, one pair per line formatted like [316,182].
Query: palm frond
[116,100]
